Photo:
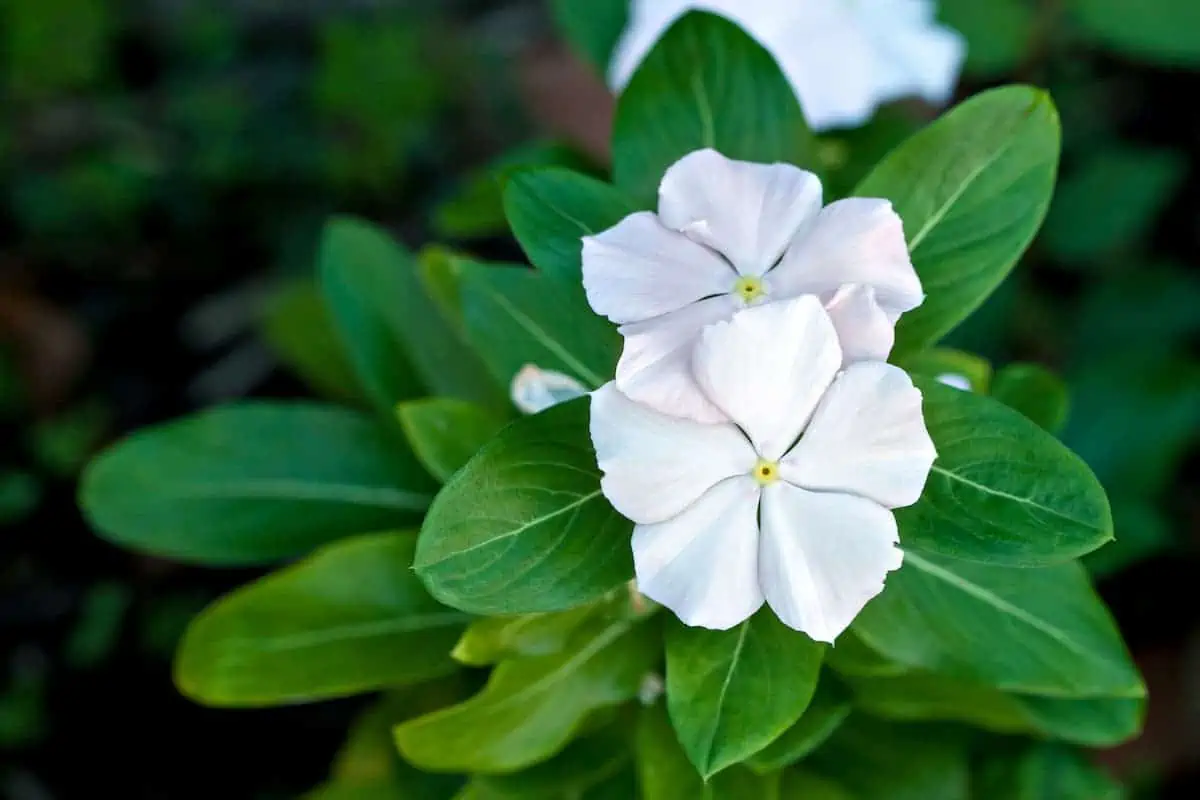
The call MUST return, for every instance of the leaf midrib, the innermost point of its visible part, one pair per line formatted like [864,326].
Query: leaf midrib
[733,664]
[298,490]
[362,630]
[953,476]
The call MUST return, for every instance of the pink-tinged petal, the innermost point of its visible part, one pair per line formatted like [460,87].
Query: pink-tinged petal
[867,437]
[655,368]
[823,556]
[857,240]
[639,269]
[655,465]
[747,212]
[865,331]
[767,368]
[703,563]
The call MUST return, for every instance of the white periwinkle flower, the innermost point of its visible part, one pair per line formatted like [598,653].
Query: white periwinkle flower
[843,58]
[732,234]
[790,502]
[535,389]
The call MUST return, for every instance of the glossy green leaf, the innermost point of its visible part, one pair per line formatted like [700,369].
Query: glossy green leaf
[950,366]
[589,769]
[524,527]
[252,483]
[829,708]
[1158,31]
[1042,772]
[551,210]
[349,619]
[1035,391]
[972,189]
[876,760]
[1002,489]
[706,83]
[731,693]
[387,321]
[1089,721]
[531,707]
[298,327]
[493,639]
[850,655]
[593,28]
[1037,631]
[444,433]
[517,316]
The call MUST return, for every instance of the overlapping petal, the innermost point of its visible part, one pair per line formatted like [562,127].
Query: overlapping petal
[703,563]
[747,212]
[655,465]
[865,330]
[867,438]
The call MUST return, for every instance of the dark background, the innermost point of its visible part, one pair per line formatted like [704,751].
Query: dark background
[165,166]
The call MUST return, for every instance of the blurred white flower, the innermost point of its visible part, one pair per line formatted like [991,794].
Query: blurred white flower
[790,502]
[843,57]
[955,381]
[732,234]
[534,389]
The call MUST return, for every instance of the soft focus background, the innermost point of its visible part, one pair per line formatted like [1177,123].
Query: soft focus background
[165,166]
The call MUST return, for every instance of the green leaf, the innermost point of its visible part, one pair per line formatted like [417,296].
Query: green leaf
[532,707]
[1002,489]
[252,483]
[388,323]
[587,769]
[972,189]
[706,83]
[876,760]
[998,33]
[1158,31]
[1035,391]
[349,619]
[1037,631]
[593,28]
[943,363]
[524,527]
[1041,772]
[444,433]
[517,316]
[492,639]
[829,708]
[925,697]
[666,773]
[803,785]
[731,693]
[851,656]
[298,327]
[551,210]
[1111,203]
[1089,721]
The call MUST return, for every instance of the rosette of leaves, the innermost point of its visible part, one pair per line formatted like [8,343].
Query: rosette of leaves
[465,564]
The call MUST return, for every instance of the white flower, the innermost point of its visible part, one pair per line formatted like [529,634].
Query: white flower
[843,58]
[534,389]
[788,503]
[731,234]
[955,381]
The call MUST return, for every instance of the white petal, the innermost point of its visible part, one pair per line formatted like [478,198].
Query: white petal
[865,331]
[822,556]
[534,389]
[703,564]
[856,240]
[747,212]
[654,465]
[867,437]
[639,269]
[914,55]
[655,368]
[767,367]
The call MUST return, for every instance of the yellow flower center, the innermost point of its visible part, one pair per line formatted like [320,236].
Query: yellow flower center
[765,472]
[749,288]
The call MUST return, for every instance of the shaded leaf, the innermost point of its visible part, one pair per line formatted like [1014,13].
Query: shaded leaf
[444,433]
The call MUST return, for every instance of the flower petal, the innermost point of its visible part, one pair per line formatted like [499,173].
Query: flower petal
[703,564]
[865,331]
[747,212]
[822,556]
[655,368]
[867,437]
[639,269]
[767,368]
[856,240]
[534,389]
[654,465]
[914,55]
